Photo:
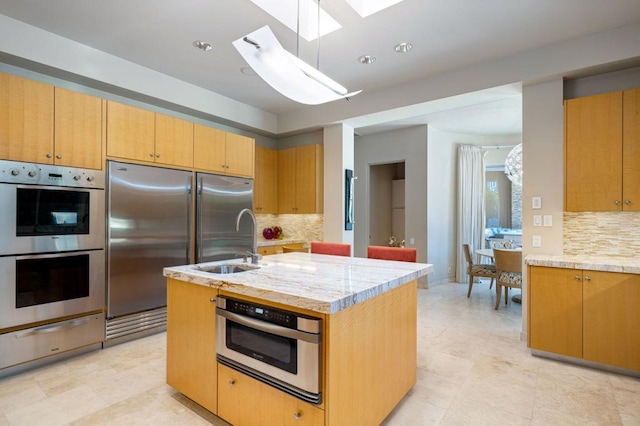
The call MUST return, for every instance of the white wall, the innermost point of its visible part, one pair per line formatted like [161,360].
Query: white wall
[409,146]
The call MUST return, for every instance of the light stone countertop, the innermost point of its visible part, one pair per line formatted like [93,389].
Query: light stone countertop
[318,282]
[627,265]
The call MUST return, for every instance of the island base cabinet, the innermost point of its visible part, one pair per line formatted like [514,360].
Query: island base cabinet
[244,401]
[191,346]
[371,357]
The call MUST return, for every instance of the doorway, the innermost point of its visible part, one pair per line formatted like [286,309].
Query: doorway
[387,202]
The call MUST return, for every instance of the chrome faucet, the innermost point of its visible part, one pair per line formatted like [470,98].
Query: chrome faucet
[255,257]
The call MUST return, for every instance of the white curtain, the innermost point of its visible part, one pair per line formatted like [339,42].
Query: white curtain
[471,213]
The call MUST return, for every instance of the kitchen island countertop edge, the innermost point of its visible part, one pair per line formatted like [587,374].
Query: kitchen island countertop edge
[320,283]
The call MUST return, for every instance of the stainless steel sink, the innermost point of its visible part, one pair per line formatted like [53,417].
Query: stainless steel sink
[228,268]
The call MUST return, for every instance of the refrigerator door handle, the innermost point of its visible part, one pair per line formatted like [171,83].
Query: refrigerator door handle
[189,191]
[199,220]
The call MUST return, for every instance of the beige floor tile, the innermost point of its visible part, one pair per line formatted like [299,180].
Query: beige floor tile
[466,411]
[58,410]
[626,392]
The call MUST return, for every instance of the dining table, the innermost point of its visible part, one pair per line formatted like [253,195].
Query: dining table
[488,253]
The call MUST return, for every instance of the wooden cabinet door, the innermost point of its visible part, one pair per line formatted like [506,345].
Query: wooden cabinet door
[265,195]
[631,150]
[26,120]
[174,141]
[555,310]
[78,130]
[240,155]
[612,319]
[130,132]
[308,179]
[191,345]
[209,149]
[243,400]
[287,181]
[593,153]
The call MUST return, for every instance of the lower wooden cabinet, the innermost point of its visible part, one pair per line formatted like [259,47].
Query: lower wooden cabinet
[591,315]
[191,345]
[243,400]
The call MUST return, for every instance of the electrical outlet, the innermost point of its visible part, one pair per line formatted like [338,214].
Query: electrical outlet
[412,241]
[449,270]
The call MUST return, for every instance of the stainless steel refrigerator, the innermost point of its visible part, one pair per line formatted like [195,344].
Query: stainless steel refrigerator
[150,226]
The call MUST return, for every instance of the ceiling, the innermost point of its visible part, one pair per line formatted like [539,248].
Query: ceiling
[446,35]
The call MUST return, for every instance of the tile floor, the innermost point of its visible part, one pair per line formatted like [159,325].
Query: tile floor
[473,370]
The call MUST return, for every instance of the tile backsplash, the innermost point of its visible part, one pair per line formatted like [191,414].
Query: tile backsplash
[602,234]
[307,227]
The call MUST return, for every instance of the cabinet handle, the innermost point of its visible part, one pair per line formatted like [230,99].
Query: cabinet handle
[232,382]
[151,154]
[158,155]
[617,202]
[49,155]
[58,156]
[577,277]
[587,278]
[297,415]
[212,300]
[628,202]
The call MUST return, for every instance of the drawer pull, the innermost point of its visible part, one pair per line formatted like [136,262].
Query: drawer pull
[232,382]
[297,415]
[51,328]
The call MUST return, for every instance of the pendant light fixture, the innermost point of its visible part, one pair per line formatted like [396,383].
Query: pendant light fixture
[287,73]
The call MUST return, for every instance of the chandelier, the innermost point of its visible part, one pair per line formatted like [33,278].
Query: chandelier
[513,165]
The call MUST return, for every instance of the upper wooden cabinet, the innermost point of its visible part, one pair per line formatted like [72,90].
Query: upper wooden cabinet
[602,152]
[130,132]
[221,152]
[26,120]
[28,112]
[141,135]
[265,193]
[300,179]
[174,141]
[78,129]
[585,314]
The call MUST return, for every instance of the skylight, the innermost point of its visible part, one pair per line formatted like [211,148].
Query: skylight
[369,7]
[286,11]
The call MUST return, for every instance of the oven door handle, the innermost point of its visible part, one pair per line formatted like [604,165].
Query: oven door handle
[269,328]
[52,328]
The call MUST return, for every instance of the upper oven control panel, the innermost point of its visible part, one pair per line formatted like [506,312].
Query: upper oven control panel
[50,175]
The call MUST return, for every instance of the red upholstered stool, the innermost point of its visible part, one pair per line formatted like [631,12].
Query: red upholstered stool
[336,249]
[392,253]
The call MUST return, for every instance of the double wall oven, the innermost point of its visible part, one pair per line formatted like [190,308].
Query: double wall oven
[52,260]
[280,348]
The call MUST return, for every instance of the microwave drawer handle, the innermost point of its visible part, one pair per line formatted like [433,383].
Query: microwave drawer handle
[269,328]
[51,328]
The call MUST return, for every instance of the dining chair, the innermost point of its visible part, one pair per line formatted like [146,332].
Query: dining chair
[402,254]
[291,249]
[508,272]
[477,270]
[336,249]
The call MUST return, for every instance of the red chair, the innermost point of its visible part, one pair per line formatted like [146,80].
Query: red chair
[336,249]
[392,253]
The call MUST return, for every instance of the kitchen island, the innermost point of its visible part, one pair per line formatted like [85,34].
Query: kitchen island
[368,348]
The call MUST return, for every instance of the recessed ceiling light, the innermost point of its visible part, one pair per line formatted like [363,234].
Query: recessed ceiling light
[205,46]
[367,59]
[403,47]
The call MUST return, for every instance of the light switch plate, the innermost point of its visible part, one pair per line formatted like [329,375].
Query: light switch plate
[537,220]
[547,220]
[412,241]
[536,202]
[536,241]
